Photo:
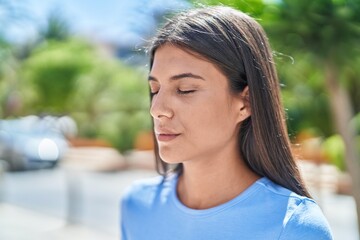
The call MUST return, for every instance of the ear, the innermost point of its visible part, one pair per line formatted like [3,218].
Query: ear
[244,105]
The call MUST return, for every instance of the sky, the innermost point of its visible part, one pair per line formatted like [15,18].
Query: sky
[116,21]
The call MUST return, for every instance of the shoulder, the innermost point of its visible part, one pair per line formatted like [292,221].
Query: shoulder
[282,197]
[145,192]
[302,217]
[142,188]
[305,220]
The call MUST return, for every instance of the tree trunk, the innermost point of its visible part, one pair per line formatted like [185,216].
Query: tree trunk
[342,114]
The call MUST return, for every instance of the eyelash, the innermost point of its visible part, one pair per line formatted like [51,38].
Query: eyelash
[177,91]
[184,92]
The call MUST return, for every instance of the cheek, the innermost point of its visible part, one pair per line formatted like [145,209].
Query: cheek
[211,120]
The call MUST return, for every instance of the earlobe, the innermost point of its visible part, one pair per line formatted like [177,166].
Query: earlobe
[245,108]
[245,112]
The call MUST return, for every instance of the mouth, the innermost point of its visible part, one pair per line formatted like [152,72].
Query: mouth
[162,137]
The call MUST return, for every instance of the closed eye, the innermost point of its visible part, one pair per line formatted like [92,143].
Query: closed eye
[153,90]
[153,93]
[185,92]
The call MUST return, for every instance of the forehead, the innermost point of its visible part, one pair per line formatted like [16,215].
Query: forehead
[169,60]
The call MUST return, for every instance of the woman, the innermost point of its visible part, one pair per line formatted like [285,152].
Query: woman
[221,140]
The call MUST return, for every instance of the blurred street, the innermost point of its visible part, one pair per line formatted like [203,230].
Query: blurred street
[37,203]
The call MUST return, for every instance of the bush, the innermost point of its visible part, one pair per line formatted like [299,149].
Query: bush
[108,99]
[334,149]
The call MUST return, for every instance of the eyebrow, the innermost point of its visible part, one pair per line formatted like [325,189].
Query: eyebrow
[179,76]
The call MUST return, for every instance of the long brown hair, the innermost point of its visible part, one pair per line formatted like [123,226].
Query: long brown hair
[238,46]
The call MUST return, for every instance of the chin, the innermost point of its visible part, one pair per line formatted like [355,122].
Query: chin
[170,158]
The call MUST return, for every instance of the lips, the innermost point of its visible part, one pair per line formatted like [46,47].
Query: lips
[166,137]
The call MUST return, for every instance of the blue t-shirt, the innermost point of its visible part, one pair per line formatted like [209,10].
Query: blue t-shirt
[151,210]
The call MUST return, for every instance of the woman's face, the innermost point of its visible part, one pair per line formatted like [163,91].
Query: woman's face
[195,116]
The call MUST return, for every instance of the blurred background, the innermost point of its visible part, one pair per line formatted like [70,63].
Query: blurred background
[74,124]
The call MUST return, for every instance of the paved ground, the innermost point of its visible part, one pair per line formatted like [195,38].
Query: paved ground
[35,205]
[18,223]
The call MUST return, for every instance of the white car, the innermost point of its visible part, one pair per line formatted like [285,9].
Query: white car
[32,142]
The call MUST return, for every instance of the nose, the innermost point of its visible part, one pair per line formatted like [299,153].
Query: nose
[161,106]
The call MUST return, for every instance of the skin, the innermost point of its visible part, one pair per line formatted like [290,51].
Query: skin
[196,121]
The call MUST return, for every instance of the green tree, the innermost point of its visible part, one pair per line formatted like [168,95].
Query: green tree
[56,28]
[11,13]
[253,7]
[108,99]
[52,70]
[302,83]
[13,56]
[111,102]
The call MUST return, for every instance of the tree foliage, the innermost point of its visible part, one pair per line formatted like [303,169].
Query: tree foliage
[108,99]
[116,102]
[255,8]
[327,28]
[57,27]
[52,70]
[302,83]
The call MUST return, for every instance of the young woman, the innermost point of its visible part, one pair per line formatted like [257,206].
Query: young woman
[221,141]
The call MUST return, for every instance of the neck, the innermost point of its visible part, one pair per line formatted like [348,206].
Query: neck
[213,182]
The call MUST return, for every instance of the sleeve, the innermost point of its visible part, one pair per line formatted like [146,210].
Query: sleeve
[306,222]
